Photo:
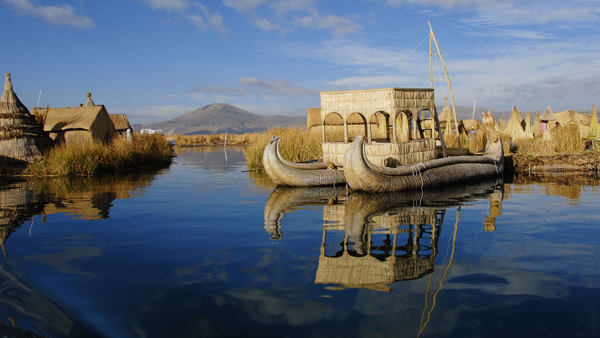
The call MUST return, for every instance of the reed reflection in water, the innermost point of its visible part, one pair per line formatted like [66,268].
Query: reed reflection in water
[206,248]
[20,201]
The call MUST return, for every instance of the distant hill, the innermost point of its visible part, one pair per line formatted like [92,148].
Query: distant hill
[218,118]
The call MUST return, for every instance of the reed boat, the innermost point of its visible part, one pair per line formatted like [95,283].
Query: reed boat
[363,175]
[284,172]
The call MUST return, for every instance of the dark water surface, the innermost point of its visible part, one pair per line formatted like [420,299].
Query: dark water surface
[206,249]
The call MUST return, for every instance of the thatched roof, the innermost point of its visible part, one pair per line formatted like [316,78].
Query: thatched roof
[21,136]
[120,121]
[571,116]
[92,119]
[514,128]
[548,115]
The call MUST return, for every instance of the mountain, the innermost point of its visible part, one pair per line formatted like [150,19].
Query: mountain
[218,118]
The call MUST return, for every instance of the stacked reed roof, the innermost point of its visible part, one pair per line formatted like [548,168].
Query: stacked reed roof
[21,136]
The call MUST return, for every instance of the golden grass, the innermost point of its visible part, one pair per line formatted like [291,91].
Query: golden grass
[93,158]
[564,140]
[216,139]
[297,145]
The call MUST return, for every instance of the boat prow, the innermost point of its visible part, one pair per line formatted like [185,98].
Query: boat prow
[364,176]
[284,172]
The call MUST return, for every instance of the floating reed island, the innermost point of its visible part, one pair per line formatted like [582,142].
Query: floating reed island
[72,141]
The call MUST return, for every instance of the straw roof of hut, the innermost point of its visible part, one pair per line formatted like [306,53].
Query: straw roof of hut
[548,115]
[594,125]
[571,116]
[21,136]
[514,128]
[537,125]
[81,123]
[528,130]
[120,122]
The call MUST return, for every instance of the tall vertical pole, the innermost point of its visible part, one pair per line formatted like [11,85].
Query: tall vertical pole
[437,47]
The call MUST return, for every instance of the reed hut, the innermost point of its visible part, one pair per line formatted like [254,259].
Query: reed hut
[537,125]
[582,121]
[548,120]
[79,124]
[514,128]
[21,136]
[122,126]
[387,117]
[594,131]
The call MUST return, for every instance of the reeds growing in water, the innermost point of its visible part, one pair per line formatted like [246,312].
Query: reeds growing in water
[297,145]
[94,158]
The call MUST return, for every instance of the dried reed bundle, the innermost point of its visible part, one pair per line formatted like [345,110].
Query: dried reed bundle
[21,137]
[594,125]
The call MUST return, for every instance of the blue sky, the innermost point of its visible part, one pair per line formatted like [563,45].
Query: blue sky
[157,59]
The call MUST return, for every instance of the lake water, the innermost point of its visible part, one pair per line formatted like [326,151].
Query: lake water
[205,248]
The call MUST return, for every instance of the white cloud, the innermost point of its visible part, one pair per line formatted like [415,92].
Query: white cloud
[60,15]
[252,86]
[288,15]
[515,12]
[198,14]
[169,5]
[244,6]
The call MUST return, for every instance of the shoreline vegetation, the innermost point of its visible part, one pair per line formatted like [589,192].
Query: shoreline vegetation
[96,158]
[565,151]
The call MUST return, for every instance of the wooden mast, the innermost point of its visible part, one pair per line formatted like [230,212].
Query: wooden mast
[432,38]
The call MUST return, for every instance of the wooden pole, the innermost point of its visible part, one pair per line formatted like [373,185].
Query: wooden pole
[447,77]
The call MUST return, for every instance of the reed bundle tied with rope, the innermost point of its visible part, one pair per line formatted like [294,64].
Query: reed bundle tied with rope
[21,137]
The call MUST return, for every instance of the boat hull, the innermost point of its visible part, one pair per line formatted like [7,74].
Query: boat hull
[364,176]
[284,172]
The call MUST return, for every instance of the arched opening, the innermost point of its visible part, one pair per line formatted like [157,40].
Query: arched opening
[427,124]
[357,125]
[380,123]
[334,128]
[403,126]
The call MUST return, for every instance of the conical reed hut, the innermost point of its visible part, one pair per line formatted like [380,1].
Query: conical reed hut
[537,125]
[528,130]
[21,136]
[594,125]
[514,128]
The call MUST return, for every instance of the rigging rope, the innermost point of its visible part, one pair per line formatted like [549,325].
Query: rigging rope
[411,53]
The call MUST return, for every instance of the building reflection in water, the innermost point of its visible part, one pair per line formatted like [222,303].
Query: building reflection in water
[372,240]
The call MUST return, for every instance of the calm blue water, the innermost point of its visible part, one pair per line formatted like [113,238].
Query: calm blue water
[202,249]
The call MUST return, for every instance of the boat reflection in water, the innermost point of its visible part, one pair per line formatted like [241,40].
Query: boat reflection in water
[372,240]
